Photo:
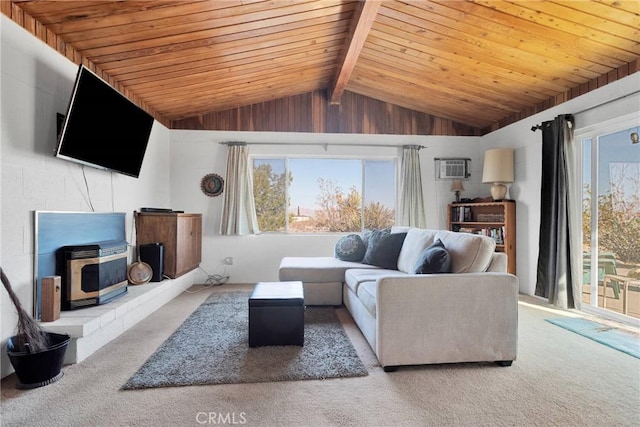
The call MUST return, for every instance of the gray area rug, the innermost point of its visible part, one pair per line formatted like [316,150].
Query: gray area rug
[211,347]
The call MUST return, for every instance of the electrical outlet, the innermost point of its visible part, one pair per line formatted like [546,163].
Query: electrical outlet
[228,260]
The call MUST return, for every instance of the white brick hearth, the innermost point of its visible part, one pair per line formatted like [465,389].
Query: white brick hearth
[93,327]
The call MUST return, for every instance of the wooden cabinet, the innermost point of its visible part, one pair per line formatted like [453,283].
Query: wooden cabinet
[494,219]
[180,234]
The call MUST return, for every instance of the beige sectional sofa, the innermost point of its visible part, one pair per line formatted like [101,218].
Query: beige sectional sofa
[467,315]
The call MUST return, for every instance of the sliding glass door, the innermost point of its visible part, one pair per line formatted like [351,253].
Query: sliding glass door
[611,217]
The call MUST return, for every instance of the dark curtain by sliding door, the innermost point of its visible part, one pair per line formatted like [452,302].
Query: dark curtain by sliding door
[554,258]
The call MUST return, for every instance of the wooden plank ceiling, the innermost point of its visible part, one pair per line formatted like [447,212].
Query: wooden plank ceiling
[477,62]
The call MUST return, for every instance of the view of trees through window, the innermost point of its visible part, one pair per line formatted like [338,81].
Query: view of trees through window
[310,195]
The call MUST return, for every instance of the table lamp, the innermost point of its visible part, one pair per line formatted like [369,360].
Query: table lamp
[456,187]
[498,170]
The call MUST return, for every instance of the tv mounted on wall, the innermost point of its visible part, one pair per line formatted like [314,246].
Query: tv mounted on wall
[102,128]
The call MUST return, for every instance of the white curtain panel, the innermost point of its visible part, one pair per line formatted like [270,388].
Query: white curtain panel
[411,200]
[238,211]
[574,211]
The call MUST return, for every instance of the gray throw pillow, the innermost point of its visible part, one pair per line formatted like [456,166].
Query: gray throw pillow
[433,259]
[383,249]
[366,234]
[350,248]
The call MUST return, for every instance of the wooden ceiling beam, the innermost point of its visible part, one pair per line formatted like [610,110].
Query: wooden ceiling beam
[363,18]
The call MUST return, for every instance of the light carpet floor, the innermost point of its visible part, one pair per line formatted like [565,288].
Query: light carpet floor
[559,379]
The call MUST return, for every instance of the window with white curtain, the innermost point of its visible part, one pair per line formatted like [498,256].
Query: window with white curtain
[324,195]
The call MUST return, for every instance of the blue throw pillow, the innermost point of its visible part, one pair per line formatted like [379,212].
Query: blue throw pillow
[383,249]
[350,248]
[433,259]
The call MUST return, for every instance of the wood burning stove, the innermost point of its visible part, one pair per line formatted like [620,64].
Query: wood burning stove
[92,274]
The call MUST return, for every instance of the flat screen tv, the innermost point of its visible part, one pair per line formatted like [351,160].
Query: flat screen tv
[102,128]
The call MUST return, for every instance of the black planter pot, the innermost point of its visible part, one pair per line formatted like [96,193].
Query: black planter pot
[38,369]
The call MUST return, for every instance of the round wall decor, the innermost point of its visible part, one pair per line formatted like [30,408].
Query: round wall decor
[212,184]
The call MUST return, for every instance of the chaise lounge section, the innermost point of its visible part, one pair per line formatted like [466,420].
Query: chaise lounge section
[468,314]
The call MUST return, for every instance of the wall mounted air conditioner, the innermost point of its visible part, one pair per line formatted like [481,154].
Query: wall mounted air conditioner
[457,168]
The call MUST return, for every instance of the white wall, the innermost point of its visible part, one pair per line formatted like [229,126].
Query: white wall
[256,258]
[613,100]
[35,84]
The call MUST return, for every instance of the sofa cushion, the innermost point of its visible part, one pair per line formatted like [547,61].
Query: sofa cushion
[470,253]
[367,295]
[350,248]
[383,249]
[434,259]
[315,269]
[416,241]
[400,228]
[353,277]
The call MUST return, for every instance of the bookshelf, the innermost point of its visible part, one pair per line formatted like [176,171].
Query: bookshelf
[494,219]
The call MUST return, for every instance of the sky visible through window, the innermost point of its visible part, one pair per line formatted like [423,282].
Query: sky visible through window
[380,179]
[615,153]
[345,173]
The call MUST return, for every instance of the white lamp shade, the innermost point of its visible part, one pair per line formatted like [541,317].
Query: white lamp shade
[498,166]
[456,185]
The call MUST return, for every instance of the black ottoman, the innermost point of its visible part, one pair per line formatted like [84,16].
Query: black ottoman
[276,314]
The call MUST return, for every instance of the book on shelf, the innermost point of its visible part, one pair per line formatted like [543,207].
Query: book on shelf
[490,217]
[461,214]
